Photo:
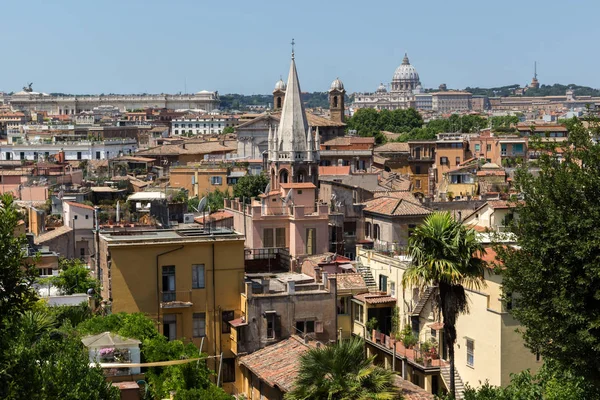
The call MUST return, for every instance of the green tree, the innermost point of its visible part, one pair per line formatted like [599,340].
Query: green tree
[228,129]
[446,255]
[74,277]
[216,199]
[250,186]
[133,325]
[554,271]
[16,277]
[341,371]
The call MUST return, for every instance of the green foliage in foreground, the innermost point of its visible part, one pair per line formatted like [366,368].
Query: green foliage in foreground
[341,371]
[551,383]
[554,271]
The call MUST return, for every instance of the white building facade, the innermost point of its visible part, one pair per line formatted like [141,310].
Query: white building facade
[203,125]
[74,151]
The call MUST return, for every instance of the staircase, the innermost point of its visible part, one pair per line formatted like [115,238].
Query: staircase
[367,277]
[458,383]
[423,300]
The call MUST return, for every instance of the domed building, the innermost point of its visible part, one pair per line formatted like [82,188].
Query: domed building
[404,86]
[406,77]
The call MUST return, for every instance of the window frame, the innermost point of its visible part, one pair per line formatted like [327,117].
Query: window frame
[470,349]
[196,330]
[196,282]
[226,316]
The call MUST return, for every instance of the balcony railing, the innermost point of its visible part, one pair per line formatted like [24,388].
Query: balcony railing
[417,355]
[176,299]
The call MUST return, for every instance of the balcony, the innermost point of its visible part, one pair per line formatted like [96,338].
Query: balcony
[270,259]
[418,355]
[176,299]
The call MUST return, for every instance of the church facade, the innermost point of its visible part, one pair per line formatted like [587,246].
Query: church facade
[404,87]
[253,136]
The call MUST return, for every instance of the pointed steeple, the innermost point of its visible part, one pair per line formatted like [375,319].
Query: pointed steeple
[293,123]
[309,145]
[317,145]
[270,143]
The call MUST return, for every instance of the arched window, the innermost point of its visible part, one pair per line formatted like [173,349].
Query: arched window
[335,101]
[377,232]
[283,176]
[279,102]
[367,229]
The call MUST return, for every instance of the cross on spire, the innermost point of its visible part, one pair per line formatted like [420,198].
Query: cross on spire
[293,43]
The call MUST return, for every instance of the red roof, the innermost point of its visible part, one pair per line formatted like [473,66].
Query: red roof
[491,173]
[73,204]
[375,298]
[299,185]
[216,216]
[334,170]
[277,365]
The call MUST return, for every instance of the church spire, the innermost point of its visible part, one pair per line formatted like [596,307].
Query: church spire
[293,125]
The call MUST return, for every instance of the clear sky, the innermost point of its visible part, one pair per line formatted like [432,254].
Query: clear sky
[137,46]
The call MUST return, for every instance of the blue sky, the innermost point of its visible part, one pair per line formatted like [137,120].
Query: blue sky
[137,46]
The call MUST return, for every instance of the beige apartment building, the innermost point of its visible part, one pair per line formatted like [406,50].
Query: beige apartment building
[487,348]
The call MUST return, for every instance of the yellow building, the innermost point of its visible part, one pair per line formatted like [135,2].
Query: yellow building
[487,346]
[200,180]
[187,280]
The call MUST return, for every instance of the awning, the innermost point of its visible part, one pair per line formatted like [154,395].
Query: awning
[436,326]
[238,322]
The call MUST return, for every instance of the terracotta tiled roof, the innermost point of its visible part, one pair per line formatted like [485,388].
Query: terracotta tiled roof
[277,365]
[349,140]
[399,147]
[217,216]
[491,173]
[334,170]
[410,391]
[394,206]
[74,204]
[500,204]
[300,185]
[350,281]
[375,298]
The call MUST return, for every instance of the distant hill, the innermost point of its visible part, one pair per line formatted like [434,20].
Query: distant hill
[544,90]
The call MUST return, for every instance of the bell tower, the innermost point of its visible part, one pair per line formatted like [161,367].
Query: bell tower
[279,95]
[294,145]
[336,100]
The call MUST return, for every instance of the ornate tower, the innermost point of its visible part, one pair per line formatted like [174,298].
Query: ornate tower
[336,100]
[278,95]
[293,146]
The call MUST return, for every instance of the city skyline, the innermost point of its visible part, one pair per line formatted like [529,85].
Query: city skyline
[132,48]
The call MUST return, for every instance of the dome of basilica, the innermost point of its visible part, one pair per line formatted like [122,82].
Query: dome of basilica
[406,76]
[381,89]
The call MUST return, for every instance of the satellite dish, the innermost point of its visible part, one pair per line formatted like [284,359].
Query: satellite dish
[202,204]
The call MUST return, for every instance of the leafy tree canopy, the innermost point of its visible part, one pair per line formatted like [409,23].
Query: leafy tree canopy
[250,186]
[74,277]
[554,272]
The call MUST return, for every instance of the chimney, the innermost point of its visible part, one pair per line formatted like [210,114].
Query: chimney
[325,280]
[248,290]
[291,287]
[265,285]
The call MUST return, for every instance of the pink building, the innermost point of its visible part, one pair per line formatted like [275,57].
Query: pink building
[288,215]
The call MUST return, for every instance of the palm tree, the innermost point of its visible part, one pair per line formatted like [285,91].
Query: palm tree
[342,372]
[446,255]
